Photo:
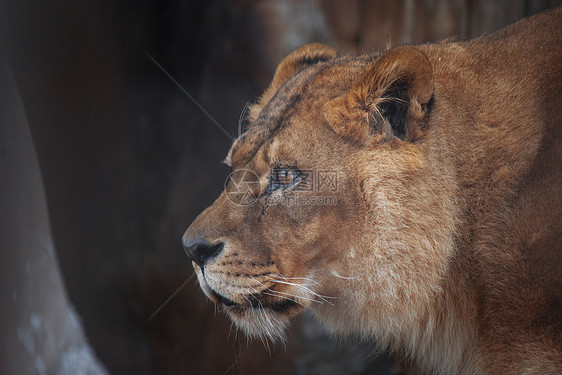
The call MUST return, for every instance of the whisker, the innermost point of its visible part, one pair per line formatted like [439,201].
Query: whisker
[336,274]
[281,294]
[261,311]
[304,288]
[323,298]
[312,282]
[242,119]
[230,330]
[292,296]
[277,294]
[169,298]
[182,89]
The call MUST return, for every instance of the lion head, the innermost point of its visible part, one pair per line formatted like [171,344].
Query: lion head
[337,203]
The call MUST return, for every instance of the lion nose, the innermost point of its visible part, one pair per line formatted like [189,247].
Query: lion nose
[200,251]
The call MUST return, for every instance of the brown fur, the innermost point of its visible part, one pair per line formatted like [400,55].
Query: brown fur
[446,239]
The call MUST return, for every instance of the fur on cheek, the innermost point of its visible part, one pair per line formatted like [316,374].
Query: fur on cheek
[405,252]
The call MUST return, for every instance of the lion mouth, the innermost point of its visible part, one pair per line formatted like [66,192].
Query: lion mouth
[255,303]
[225,301]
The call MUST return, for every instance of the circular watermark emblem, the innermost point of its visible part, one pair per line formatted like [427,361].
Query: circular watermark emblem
[241,187]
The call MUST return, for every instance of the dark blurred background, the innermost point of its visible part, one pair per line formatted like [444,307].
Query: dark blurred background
[128,160]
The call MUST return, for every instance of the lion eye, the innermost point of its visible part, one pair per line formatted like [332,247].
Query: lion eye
[282,178]
[286,176]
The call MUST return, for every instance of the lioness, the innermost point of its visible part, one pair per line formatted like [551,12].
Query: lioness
[413,195]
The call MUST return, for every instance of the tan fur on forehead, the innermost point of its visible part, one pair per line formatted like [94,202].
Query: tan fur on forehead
[297,60]
[242,149]
[275,109]
[431,216]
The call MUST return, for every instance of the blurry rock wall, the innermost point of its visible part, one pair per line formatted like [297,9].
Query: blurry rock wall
[128,159]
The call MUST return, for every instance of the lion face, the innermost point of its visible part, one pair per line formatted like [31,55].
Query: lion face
[323,208]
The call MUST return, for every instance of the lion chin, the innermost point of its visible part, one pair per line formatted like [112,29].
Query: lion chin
[260,314]
[411,195]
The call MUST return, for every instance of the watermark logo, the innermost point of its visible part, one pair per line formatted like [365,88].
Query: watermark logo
[242,187]
[296,200]
[327,180]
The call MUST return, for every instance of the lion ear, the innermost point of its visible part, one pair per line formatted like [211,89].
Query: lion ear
[297,60]
[390,98]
